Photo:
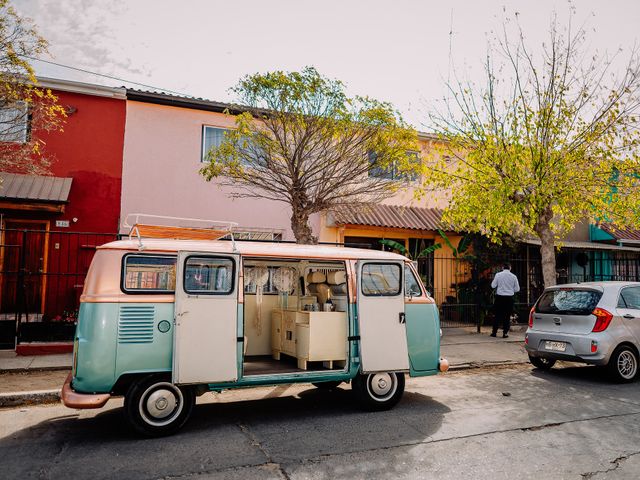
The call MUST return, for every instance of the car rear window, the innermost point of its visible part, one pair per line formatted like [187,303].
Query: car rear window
[568,301]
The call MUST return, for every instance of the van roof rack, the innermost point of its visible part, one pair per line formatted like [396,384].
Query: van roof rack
[143,225]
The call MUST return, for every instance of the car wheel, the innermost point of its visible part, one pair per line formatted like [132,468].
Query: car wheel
[327,385]
[542,363]
[154,407]
[623,364]
[378,391]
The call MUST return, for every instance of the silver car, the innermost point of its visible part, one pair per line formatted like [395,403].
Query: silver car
[596,323]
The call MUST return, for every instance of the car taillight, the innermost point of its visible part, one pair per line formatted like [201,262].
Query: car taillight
[603,319]
[531,312]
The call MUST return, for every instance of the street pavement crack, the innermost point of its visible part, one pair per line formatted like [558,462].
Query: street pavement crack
[256,443]
[464,437]
[616,463]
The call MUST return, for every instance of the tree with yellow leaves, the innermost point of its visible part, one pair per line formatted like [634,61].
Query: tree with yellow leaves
[546,143]
[24,107]
[302,141]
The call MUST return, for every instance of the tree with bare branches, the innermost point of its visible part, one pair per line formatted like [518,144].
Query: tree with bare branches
[301,140]
[548,141]
[24,107]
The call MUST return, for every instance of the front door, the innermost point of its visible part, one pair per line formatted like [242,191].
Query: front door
[22,266]
[381,316]
[205,318]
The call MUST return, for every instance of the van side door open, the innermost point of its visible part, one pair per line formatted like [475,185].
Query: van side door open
[381,316]
[206,306]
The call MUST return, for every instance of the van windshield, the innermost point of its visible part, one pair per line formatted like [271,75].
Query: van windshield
[568,301]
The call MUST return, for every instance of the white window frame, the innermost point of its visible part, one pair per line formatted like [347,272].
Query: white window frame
[203,150]
[17,136]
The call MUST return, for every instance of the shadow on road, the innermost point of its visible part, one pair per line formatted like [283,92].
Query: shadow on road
[220,435]
[564,371]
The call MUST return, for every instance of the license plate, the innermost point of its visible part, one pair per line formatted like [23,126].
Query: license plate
[555,346]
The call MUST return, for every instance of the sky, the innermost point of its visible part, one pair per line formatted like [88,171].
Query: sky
[401,51]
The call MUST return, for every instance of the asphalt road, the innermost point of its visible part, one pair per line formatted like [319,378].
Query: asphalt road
[499,423]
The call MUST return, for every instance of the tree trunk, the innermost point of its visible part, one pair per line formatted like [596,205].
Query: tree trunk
[301,229]
[547,249]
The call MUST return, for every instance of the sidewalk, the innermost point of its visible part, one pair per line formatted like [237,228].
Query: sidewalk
[464,348]
[38,378]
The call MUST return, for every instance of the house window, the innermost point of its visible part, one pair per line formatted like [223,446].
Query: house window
[392,172]
[14,123]
[211,137]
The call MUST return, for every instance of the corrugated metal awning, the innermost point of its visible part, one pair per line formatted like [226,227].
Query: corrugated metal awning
[623,235]
[390,216]
[587,246]
[36,188]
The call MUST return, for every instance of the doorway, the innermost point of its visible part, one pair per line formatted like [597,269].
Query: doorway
[23,262]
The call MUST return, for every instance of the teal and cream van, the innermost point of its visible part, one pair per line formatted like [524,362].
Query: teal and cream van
[164,320]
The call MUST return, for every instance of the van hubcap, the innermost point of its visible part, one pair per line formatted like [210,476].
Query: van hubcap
[627,364]
[382,386]
[161,404]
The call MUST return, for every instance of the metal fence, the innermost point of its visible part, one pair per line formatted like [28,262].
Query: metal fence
[41,278]
[42,275]
[462,286]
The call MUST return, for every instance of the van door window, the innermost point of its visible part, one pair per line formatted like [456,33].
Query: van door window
[208,275]
[381,279]
[411,284]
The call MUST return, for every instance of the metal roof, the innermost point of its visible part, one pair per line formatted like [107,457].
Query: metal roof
[390,216]
[586,245]
[623,235]
[34,187]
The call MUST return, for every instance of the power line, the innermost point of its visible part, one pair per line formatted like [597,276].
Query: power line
[107,76]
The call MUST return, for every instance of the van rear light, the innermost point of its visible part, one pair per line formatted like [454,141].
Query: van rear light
[603,319]
[594,346]
[531,312]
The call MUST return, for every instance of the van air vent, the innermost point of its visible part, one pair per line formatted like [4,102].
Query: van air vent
[136,324]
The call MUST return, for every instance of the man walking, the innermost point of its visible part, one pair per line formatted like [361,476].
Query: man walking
[506,285]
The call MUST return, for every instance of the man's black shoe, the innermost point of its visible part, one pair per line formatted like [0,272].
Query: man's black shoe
[505,336]
[492,335]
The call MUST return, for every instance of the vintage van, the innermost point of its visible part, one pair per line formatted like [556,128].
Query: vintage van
[164,320]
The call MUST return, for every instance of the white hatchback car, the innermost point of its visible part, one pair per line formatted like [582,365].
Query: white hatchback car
[596,323]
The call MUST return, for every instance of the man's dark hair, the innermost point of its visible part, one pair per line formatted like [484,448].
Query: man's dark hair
[506,266]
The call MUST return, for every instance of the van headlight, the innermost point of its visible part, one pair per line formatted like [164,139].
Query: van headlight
[440,333]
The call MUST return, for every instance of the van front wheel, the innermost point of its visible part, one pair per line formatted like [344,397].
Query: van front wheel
[378,391]
[155,407]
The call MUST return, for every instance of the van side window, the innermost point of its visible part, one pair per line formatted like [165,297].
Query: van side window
[630,298]
[411,284]
[208,275]
[149,273]
[381,280]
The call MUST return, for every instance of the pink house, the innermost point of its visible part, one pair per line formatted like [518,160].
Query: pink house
[165,141]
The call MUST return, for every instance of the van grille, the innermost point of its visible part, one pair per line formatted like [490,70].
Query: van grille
[136,324]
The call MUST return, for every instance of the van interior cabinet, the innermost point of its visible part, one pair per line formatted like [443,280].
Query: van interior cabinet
[309,336]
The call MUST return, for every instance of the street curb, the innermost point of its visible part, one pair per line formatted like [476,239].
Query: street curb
[477,366]
[44,397]
[38,397]
[34,369]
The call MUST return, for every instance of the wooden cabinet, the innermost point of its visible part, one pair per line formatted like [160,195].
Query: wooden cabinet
[309,336]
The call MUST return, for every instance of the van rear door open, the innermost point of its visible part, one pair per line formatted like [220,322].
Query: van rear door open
[206,305]
[381,316]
